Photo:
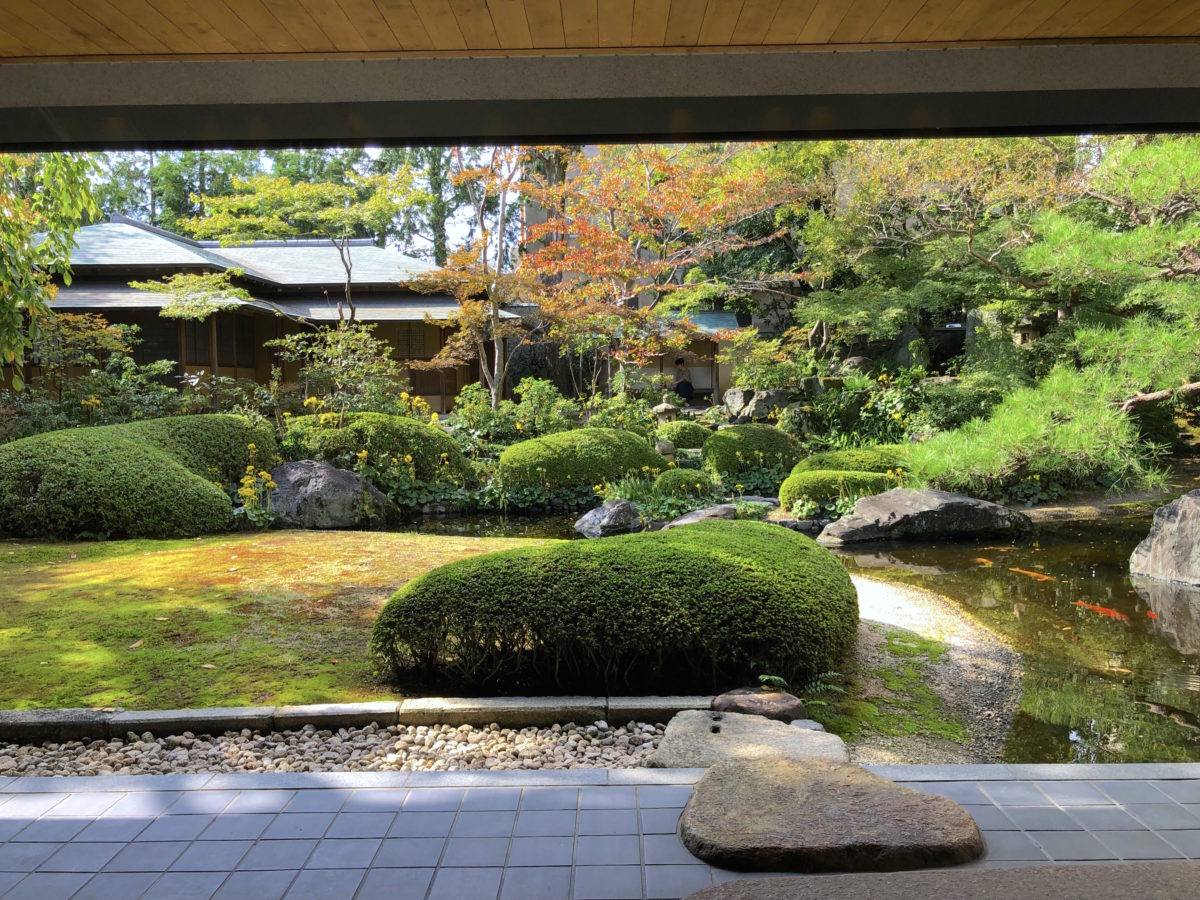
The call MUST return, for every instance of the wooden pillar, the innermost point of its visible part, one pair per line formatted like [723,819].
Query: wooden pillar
[212,343]
[182,348]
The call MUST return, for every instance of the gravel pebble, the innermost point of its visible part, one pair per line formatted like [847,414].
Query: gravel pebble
[369,749]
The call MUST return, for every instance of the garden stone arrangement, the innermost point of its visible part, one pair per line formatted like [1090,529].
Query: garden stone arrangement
[698,738]
[312,494]
[790,815]
[904,514]
[1171,551]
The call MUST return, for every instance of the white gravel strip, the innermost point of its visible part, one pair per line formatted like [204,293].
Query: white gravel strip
[369,749]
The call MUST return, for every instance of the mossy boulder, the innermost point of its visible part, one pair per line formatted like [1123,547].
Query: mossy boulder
[684,434]
[705,607]
[577,459]
[111,481]
[881,458]
[745,448]
[338,439]
[822,485]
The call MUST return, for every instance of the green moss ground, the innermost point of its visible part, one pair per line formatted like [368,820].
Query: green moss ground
[892,698]
[273,618]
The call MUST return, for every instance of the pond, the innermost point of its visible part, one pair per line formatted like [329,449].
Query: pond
[1111,675]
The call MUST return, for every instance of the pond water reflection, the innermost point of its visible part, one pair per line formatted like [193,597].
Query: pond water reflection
[1111,674]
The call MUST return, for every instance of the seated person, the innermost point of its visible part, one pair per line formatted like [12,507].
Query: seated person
[683,382]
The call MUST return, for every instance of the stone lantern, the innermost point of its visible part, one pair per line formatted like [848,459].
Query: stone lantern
[666,411]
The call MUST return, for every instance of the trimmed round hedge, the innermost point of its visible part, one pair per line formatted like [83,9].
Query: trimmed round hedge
[684,434]
[213,446]
[683,483]
[823,485]
[704,606]
[863,459]
[108,481]
[399,436]
[744,448]
[576,459]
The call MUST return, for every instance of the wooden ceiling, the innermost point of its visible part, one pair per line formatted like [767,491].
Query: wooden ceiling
[58,29]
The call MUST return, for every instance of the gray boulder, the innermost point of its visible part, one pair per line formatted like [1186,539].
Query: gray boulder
[763,403]
[736,400]
[614,517]
[863,365]
[698,738]
[1171,551]
[755,498]
[1176,609]
[787,815]
[312,494]
[902,514]
[708,514]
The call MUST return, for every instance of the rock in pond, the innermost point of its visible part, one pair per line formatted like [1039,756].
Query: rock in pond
[1171,551]
[778,705]
[312,494]
[787,815]
[720,511]
[698,738]
[614,517]
[903,514]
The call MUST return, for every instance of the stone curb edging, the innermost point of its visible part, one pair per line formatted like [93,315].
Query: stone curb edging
[37,725]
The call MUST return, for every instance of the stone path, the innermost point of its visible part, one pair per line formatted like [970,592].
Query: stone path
[569,835]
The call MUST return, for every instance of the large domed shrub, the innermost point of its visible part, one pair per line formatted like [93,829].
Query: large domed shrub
[700,607]
[213,446]
[750,458]
[683,483]
[862,459]
[338,439]
[109,481]
[684,434]
[823,485]
[576,459]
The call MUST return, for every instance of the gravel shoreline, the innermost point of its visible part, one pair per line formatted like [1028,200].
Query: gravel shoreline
[979,678]
[396,748]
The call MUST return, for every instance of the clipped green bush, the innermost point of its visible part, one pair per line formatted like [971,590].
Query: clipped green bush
[576,459]
[338,439]
[706,606]
[881,458]
[750,458]
[109,481]
[822,485]
[213,446]
[683,483]
[684,434]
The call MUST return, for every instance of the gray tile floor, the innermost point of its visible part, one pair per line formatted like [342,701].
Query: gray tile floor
[582,835]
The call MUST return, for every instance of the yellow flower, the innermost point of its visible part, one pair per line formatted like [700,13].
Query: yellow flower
[433,418]
[518,426]
[249,470]
[251,448]
[645,468]
[697,485]
[739,487]
[287,415]
[1037,477]
[896,416]
[597,488]
[408,457]
[362,455]
[311,401]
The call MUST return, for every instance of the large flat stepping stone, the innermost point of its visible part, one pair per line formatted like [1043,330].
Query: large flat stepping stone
[788,815]
[698,738]
[1123,881]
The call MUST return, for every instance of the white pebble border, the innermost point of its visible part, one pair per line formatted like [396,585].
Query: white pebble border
[372,748]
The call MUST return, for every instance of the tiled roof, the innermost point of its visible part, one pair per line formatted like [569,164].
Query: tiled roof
[123,244]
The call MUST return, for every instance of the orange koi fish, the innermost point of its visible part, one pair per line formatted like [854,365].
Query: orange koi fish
[982,561]
[1103,610]
[1039,576]
[1151,615]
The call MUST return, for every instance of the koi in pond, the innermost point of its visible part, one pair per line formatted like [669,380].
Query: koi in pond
[982,561]
[1151,615]
[1039,576]
[1102,610]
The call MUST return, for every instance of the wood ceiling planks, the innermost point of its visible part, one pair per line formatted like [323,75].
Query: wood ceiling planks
[163,28]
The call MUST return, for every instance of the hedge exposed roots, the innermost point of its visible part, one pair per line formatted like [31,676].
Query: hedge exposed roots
[705,606]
